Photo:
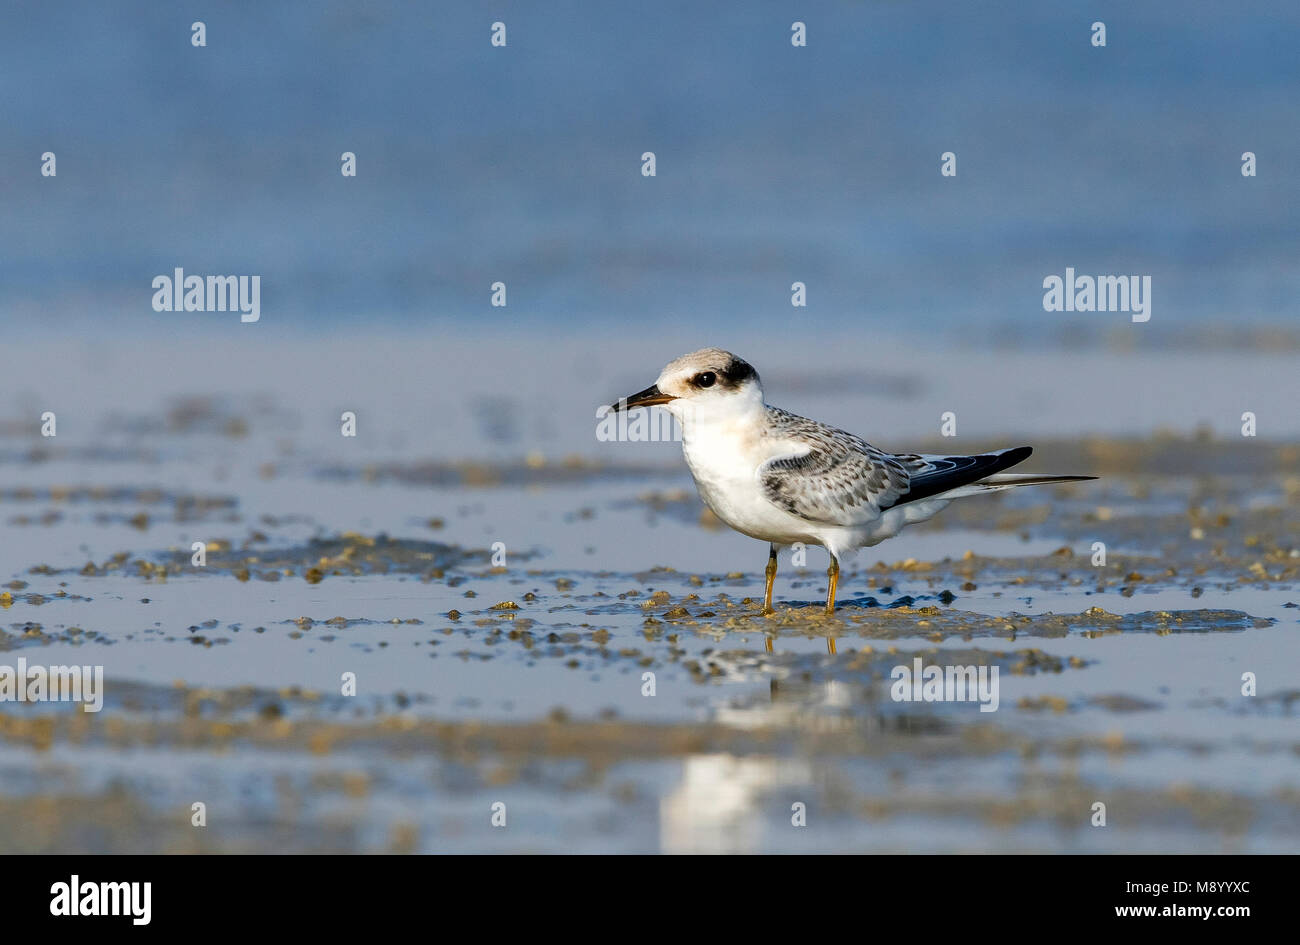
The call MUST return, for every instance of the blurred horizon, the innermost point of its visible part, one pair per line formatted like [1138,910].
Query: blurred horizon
[775,164]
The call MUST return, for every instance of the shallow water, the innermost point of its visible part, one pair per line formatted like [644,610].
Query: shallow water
[1119,684]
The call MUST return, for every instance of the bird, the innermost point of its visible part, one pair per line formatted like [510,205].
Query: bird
[785,479]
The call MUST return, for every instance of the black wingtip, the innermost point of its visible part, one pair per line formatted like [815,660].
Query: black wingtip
[1005,459]
[971,469]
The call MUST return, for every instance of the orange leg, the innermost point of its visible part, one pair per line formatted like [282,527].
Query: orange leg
[833,575]
[771,576]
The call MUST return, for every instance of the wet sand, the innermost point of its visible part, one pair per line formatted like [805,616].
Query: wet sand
[523,681]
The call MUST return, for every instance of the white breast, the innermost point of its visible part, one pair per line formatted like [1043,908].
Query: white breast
[726,446]
[724,458]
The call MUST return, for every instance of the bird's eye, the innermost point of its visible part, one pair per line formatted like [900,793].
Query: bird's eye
[706,379]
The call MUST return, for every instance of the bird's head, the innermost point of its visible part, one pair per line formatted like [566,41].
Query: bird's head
[709,382]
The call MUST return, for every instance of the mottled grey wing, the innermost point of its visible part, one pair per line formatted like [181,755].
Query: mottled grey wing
[841,480]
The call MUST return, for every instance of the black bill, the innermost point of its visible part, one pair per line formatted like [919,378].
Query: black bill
[647,398]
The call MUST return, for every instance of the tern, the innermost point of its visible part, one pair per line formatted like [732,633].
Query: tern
[782,479]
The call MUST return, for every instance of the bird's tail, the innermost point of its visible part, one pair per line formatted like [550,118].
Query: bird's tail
[1000,481]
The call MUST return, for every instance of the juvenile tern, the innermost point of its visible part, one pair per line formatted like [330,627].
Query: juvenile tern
[784,479]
